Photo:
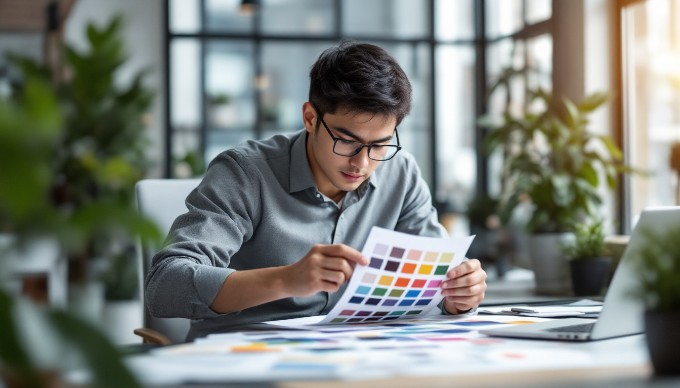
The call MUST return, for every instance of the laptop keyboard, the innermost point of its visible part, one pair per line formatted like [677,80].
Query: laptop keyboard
[582,328]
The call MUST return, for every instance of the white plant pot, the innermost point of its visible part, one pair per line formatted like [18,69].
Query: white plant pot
[120,319]
[550,266]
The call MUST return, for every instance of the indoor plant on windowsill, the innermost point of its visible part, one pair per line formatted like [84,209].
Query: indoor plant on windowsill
[553,166]
[658,265]
[588,264]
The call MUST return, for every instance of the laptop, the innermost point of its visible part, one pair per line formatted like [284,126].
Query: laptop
[621,314]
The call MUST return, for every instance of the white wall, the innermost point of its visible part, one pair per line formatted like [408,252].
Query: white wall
[144,39]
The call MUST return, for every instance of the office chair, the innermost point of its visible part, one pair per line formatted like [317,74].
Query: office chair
[161,200]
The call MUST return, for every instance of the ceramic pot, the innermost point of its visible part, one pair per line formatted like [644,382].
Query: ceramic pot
[590,276]
[551,272]
[663,341]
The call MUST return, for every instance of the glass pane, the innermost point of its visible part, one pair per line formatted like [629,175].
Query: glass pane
[414,131]
[185,16]
[287,83]
[185,83]
[454,19]
[500,56]
[186,146]
[389,18]
[652,101]
[539,58]
[218,141]
[503,17]
[538,10]
[230,89]
[456,156]
[227,16]
[311,17]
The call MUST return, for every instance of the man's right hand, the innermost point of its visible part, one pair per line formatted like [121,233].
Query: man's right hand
[323,268]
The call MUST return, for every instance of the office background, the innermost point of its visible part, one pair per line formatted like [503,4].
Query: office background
[223,75]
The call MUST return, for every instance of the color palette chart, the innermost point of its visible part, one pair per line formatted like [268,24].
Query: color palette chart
[402,280]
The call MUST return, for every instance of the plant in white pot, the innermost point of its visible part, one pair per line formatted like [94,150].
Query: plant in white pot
[658,265]
[589,266]
[555,166]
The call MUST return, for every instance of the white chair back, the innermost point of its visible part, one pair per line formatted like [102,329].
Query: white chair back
[162,200]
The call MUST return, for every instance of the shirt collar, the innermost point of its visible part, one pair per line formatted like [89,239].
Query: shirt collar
[300,173]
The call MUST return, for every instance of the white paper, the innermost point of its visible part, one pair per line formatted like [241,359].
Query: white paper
[402,280]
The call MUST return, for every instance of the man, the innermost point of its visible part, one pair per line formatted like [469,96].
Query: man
[274,228]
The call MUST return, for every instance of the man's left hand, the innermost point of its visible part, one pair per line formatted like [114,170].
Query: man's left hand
[464,287]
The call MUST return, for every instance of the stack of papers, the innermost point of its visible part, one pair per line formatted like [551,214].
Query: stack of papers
[584,308]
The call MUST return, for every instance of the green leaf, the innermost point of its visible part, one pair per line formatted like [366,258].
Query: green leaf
[14,358]
[102,358]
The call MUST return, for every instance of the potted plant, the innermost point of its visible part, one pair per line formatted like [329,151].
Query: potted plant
[588,264]
[554,167]
[36,354]
[658,266]
[101,154]
[71,150]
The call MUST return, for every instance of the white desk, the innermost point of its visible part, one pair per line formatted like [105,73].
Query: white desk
[475,360]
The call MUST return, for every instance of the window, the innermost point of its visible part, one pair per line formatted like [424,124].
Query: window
[235,76]
[651,84]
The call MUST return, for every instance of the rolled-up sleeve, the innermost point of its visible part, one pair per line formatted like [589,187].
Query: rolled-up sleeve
[186,275]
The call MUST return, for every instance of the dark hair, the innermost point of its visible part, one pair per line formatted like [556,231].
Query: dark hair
[360,77]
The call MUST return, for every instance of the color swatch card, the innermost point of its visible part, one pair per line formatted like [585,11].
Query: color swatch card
[402,280]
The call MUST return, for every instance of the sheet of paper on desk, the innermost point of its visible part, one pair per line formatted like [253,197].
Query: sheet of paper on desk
[582,308]
[402,279]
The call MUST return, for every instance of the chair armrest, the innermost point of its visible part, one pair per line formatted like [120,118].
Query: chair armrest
[151,336]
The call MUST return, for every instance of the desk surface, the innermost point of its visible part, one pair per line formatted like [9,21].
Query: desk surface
[297,358]
[470,360]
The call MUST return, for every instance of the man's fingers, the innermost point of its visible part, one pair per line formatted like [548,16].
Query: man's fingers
[345,252]
[464,268]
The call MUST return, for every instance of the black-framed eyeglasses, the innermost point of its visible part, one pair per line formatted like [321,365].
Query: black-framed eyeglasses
[349,148]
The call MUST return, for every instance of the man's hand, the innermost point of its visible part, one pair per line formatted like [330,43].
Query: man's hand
[464,287]
[324,268]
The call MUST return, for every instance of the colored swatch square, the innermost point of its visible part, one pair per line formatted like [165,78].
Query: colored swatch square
[375,263]
[379,291]
[347,312]
[362,290]
[355,320]
[373,301]
[368,278]
[338,320]
[418,283]
[392,266]
[402,282]
[414,254]
[423,302]
[441,270]
[407,302]
[408,268]
[425,269]
[386,280]
[397,312]
[434,283]
[389,302]
[429,293]
[379,313]
[414,312]
[412,293]
[356,299]
[380,249]
[446,257]
[397,252]
[396,293]
[363,313]
[431,257]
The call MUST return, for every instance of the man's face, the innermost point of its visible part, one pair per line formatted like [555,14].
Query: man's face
[335,174]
